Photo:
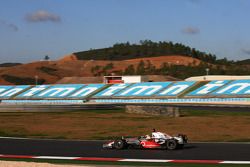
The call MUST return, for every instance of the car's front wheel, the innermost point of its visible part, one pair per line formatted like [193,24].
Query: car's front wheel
[171,144]
[119,144]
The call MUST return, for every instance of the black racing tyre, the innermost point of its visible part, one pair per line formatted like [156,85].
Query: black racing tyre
[171,144]
[119,144]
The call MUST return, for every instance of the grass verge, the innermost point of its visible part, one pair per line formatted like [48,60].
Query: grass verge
[109,124]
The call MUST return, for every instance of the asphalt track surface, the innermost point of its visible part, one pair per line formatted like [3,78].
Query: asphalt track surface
[193,151]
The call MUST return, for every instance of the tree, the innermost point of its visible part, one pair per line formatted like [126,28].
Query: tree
[141,68]
[150,68]
[109,66]
[164,70]
[96,70]
[130,70]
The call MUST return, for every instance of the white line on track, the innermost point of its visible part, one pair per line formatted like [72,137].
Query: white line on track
[235,162]
[144,160]
[56,157]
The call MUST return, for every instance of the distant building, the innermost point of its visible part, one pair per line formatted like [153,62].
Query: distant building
[137,78]
[116,79]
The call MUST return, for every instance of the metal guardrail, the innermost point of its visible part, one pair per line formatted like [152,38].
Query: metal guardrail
[51,102]
[192,100]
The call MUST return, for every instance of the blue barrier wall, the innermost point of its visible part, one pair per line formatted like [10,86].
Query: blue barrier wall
[32,91]
[59,91]
[86,91]
[110,91]
[160,89]
[239,87]
[176,88]
[4,88]
[224,88]
[12,91]
[208,88]
[143,89]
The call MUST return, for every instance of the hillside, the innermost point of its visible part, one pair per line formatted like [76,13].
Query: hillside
[52,71]
[103,62]
[146,48]
[9,64]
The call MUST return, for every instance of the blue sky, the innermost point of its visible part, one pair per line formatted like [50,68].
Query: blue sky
[31,29]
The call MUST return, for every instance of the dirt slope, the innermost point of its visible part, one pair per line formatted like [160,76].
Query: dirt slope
[69,66]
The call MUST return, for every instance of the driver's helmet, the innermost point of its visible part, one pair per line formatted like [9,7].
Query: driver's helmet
[148,137]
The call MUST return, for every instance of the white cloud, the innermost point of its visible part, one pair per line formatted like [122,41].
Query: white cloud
[42,16]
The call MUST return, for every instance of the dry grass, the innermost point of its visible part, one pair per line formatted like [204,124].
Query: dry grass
[108,124]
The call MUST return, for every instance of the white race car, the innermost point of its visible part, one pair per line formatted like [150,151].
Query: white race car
[156,140]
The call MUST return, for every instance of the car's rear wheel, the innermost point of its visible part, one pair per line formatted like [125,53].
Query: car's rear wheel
[119,144]
[171,144]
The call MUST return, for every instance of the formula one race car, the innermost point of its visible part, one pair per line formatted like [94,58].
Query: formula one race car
[156,140]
